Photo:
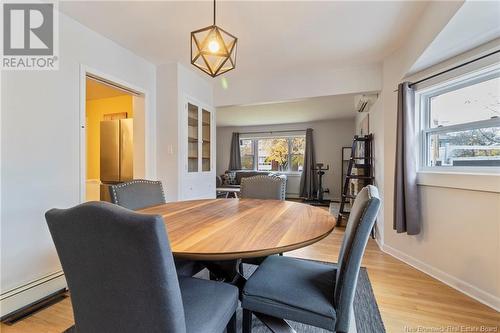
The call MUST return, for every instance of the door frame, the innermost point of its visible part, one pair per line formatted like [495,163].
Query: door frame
[148,121]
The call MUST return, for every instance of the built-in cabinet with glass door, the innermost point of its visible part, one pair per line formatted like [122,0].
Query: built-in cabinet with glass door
[206,143]
[193,145]
[199,139]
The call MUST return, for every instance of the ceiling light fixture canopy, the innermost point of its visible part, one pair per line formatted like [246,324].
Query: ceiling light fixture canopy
[213,50]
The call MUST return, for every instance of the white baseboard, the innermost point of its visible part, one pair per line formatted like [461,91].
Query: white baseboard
[458,284]
[19,297]
[380,243]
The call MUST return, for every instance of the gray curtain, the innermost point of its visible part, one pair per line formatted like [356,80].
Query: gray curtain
[308,179]
[234,155]
[406,201]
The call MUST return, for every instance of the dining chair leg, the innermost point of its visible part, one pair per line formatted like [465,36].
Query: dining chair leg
[247,321]
[231,325]
[241,268]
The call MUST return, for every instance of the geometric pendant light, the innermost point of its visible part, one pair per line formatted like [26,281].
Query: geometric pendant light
[213,50]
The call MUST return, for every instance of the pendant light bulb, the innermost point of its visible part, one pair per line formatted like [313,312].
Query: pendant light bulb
[213,46]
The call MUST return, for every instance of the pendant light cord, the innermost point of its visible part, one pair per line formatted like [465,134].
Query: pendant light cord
[214,12]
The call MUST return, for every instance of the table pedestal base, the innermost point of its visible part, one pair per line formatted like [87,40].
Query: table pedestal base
[229,271]
[276,325]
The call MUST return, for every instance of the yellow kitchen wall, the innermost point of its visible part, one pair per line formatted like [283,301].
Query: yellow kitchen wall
[95,111]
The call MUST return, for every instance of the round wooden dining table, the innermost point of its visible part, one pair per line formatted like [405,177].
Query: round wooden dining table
[220,232]
[228,229]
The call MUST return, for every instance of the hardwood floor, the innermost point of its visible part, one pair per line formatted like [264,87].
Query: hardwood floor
[408,299]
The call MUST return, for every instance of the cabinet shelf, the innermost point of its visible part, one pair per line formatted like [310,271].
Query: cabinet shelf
[199,137]
[195,158]
[195,140]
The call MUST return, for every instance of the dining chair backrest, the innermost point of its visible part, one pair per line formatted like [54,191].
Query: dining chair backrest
[263,187]
[119,269]
[137,194]
[361,220]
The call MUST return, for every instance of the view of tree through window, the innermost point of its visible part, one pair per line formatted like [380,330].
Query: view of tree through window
[297,153]
[479,147]
[273,154]
[247,154]
[463,125]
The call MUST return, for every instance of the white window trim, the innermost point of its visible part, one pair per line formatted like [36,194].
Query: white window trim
[422,98]
[482,182]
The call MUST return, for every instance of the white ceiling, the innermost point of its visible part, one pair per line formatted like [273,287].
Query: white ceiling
[312,109]
[273,35]
[475,23]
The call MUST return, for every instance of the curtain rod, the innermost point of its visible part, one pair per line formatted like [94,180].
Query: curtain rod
[299,130]
[452,69]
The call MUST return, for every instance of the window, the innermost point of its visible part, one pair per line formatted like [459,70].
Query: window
[281,154]
[273,154]
[461,125]
[247,154]
[298,147]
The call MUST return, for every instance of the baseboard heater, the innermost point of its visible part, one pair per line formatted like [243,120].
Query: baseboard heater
[25,300]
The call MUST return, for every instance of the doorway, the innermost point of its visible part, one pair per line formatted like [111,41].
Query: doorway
[114,136]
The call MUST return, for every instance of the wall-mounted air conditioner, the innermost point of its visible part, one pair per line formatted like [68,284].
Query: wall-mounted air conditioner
[363,102]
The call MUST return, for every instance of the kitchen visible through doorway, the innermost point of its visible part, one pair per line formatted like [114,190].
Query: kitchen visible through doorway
[114,136]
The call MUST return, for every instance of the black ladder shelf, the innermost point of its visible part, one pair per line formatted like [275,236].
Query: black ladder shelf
[361,160]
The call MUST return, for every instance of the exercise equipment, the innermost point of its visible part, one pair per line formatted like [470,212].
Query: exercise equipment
[319,200]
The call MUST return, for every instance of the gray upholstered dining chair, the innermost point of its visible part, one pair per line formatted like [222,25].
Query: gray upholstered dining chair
[311,292]
[142,193]
[264,187]
[121,275]
[137,194]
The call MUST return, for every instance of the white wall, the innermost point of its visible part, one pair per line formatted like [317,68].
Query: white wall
[459,242]
[40,153]
[299,83]
[174,83]
[168,129]
[329,137]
